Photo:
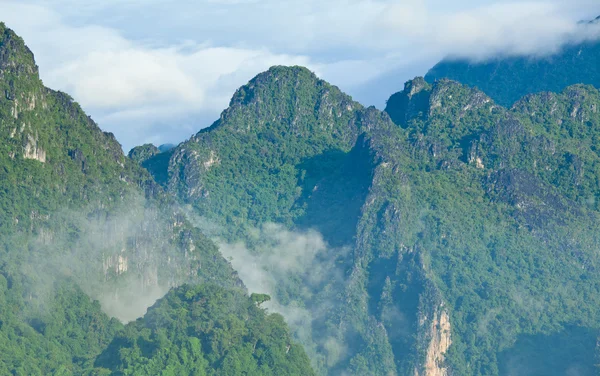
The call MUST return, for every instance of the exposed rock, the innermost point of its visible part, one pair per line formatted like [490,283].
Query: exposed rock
[440,333]
[33,151]
[118,263]
[212,160]
[15,109]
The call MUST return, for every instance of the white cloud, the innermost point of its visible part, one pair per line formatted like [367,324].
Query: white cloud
[308,27]
[282,261]
[508,28]
[143,68]
[125,82]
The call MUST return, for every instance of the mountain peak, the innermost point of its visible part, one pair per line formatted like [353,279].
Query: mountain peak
[415,86]
[142,153]
[275,78]
[414,99]
[285,97]
[15,56]
[420,99]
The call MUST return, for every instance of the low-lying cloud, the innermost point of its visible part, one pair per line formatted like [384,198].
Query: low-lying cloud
[124,259]
[301,273]
[534,28]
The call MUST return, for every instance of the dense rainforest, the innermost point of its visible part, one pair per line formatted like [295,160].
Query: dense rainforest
[453,233]
[470,229]
[86,235]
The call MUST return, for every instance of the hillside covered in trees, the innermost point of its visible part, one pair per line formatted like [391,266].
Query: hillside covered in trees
[470,228]
[453,233]
[86,234]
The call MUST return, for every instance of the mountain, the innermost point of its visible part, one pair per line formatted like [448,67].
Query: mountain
[184,331]
[538,179]
[140,154]
[289,150]
[462,233]
[283,117]
[86,235]
[447,235]
[508,79]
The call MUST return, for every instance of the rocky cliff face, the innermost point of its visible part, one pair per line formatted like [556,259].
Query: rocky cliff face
[68,186]
[304,154]
[446,213]
[439,343]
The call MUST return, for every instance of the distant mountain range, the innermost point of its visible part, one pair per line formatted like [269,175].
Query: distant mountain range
[506,80]
[461,218]
[454,233]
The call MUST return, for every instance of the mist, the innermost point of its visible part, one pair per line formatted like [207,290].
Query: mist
[124,259]
[300,272]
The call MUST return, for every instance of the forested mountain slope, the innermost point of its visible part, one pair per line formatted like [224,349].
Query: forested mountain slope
[206,330]
[471,228]
[84,230]
[508,79]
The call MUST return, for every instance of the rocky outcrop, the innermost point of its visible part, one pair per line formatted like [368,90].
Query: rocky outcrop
[213,159]
[140,154]
[439,332]
[33,151]
[118,264]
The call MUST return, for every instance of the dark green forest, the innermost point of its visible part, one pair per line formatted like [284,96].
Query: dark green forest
[468,223]
[453,233]
[84,230]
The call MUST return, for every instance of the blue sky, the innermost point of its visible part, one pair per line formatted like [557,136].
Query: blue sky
[160,70]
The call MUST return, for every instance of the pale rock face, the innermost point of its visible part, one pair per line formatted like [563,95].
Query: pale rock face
[575,111]
[32,151]
[438,346]
[119,263]
[479,163]
[214,159]
[122,265]
[474,159]
[15,109]
[32,102]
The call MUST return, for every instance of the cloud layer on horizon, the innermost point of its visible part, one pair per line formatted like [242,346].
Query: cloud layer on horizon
[161,77]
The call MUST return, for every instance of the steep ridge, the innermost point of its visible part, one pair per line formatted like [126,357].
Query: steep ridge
[518,216]
[60,171]
[290,149]
[508,79]
[76,214]
[281,118]
[475,236]
[85,231]
[294,150]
